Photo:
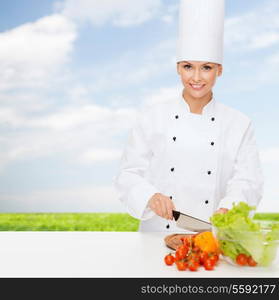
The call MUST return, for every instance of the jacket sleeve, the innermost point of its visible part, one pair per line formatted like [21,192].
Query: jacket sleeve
[246,183]
[133,188]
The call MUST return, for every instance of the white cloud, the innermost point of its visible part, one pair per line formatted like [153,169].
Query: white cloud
[82,134]
[270,201]
[164,94]
[134,69]
[71,117]
[256,29]
[99,155]
[9,117]
[169,13]
[76,199]
[273,59]
[270,162]
[23,100]
[30,53]
[77,117]
[265,40]
[119,13]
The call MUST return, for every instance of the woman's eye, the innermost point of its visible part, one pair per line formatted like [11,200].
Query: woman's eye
[187,67]
[207,68]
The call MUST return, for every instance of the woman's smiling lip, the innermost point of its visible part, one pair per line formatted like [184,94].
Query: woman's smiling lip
[197,87]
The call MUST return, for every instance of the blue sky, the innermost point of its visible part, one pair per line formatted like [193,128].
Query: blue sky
[74,73]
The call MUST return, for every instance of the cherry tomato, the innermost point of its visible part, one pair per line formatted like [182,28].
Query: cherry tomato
[209,264]
[181,252]
[185,248]
[203,257]
[196,249]
[193,265]
[187,241]
[241,259]
[251,262]
[169,259]
[181,265]
[213,257]
[194,257]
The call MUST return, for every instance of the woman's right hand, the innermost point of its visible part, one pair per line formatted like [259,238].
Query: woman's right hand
[221,210]
[162,205]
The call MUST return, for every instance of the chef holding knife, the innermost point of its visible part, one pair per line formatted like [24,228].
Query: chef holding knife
[193,154]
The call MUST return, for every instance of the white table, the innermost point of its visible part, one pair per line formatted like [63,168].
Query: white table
[100,254]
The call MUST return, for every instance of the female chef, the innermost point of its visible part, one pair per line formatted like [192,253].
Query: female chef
[193,154]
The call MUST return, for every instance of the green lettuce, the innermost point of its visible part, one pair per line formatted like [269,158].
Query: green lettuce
[238,233]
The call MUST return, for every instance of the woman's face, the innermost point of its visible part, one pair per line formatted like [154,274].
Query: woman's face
[198,77]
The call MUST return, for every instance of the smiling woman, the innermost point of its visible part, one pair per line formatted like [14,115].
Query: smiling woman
[192,154]
[198,79]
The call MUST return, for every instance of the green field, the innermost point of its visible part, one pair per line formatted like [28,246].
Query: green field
[67,222]
[81,221]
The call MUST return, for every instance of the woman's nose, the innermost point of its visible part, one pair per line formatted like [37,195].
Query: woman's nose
[197,75]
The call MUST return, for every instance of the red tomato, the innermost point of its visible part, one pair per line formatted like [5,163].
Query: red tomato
[213,257]
[169,259]
[209,264]
[181,265]
[181,252]
[194,257]
[196,249]
[187,241]
[193,265]
[203,257]
[241,259]
[185,248]
[251,261]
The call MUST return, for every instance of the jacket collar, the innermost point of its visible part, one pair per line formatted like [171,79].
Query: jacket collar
[209,108]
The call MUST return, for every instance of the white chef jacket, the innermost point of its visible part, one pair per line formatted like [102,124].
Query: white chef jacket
[202,161]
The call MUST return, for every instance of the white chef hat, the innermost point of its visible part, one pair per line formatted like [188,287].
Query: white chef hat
[201,30]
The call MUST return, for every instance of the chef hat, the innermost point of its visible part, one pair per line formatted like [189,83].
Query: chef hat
[201,30]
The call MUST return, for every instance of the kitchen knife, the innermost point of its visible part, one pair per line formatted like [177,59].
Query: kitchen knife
[191,223]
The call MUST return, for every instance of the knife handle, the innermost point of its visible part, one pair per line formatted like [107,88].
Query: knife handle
[175,214]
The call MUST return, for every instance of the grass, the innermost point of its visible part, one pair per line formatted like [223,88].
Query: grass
[81,221]
[67,222]
[267,216]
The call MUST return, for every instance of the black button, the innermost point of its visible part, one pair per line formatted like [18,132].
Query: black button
[168,226]
[170,197]
[176,116]
[208,172]
[174,138]
[172,169]
[206,201]
[212,119]
[212,144]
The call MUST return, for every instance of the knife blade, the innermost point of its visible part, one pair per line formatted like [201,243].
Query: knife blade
[191,223]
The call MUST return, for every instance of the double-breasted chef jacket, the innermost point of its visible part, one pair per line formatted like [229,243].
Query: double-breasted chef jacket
[201,161]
